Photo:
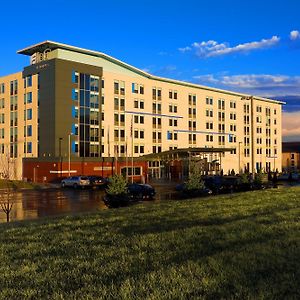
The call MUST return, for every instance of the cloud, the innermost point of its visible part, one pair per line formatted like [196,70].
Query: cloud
[294,35]
[257,84]
[185,49]
[291,125]
[212,48]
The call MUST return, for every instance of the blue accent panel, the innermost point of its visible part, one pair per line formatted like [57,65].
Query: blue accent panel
[132,87]
[74,95]
[73,112]
[73,146]
[73,77]
[73,129]
[169,135]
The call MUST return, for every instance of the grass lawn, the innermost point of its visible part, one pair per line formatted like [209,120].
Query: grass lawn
[242,246]
[17,184]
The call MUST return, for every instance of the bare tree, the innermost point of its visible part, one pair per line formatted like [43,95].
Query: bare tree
[6,202]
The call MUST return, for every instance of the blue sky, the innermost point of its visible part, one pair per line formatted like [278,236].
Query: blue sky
[245,46]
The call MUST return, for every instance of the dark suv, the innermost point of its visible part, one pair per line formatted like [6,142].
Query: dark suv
[98,181]
[141,191]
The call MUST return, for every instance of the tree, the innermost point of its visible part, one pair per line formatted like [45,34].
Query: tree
[6,202]
[117,186]
[116,193]
[195,181]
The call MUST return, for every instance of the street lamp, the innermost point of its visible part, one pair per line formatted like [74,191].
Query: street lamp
[60,157]
[239,157]
[70,153]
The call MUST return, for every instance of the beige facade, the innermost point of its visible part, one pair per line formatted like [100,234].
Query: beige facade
[18,123]
[146,114]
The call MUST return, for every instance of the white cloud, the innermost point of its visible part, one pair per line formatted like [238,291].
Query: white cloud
[213,48]
[258,84]
[185,49]
[294,35]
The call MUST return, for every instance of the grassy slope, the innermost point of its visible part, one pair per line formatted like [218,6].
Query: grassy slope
[234,246]
[16,184]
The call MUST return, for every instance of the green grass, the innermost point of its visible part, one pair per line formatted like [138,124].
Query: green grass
[242,246]
[17,184]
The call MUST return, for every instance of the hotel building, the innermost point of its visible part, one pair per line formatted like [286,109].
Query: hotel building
[77,111]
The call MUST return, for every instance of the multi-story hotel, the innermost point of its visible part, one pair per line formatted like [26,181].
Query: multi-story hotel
[77,111]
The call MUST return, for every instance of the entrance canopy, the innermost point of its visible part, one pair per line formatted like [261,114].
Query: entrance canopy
[183,153]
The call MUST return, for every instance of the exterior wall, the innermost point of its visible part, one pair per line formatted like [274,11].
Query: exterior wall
[43,170]
[290,161]
[15,109]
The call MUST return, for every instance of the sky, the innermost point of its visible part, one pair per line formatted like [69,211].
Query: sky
[246,46]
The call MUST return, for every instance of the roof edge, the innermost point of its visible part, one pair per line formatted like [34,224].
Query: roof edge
[31,49]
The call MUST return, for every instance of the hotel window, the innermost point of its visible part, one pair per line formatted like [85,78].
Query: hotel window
[209,101]
[209,113]
[221,128]
[246,108]
[173,122]
[116,87]
[2,88]
[258,109]
[29,130]
[209,138]
[139,119]
[221,104]
[209,125]
[2,120]
[29,114]
[172,94]
[258,119]
[28,98]
[137,88]
[192,138]
[28,81]
[29,147]
[232,104]
[139,103]
[139,134]
[14,87]
[232,127]
[232,116]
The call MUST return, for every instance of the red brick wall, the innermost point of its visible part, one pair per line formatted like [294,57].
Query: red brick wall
[41,171]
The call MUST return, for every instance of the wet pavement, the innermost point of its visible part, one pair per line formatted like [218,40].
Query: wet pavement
[33,204]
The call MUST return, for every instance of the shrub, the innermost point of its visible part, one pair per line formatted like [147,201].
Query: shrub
[245,183]
[195,181]
[117,186]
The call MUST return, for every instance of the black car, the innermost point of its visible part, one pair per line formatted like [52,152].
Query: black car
[141,191]
[98,181]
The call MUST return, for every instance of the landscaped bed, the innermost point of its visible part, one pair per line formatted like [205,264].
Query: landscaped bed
[243,245]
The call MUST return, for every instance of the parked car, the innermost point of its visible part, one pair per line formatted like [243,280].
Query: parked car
[76,182]
[193,193]
[98,181]
[141,191]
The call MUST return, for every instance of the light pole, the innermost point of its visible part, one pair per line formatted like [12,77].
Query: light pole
[70,153]
[239,157]
[60,157]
